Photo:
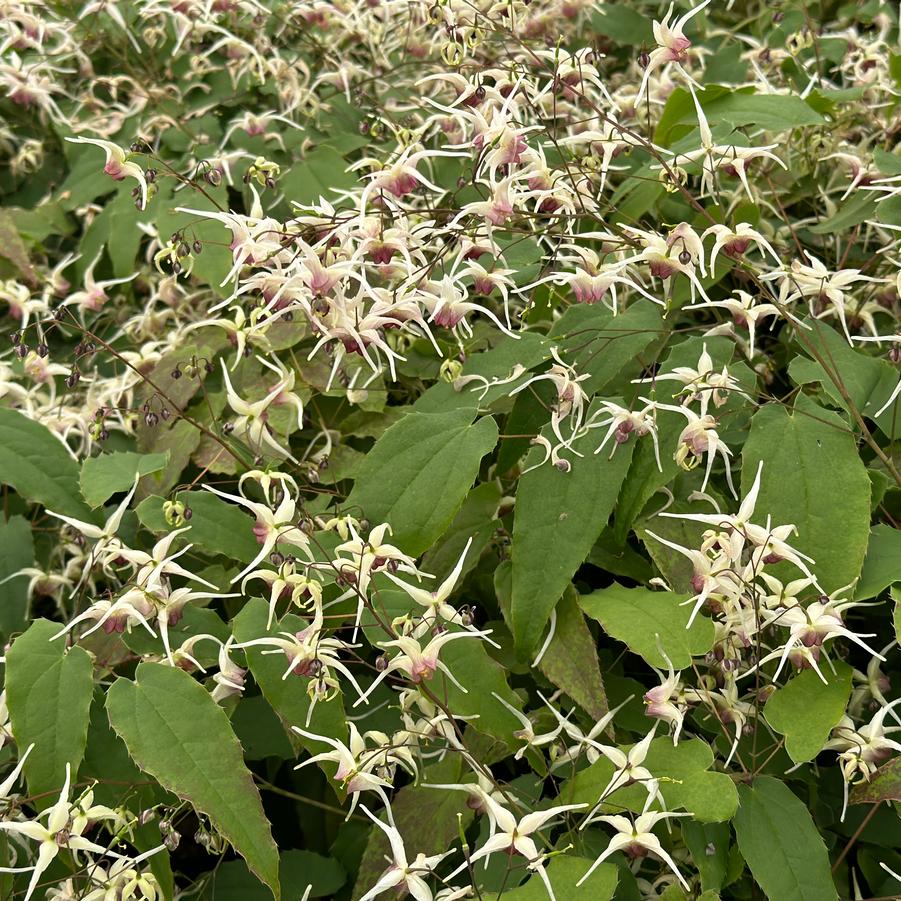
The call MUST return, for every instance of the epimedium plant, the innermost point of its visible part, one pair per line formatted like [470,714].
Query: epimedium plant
[448,450]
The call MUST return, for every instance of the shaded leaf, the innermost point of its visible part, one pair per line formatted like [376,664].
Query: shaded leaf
[780,843]
[16,552]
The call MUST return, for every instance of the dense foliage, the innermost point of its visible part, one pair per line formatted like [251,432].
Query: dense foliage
[448,450]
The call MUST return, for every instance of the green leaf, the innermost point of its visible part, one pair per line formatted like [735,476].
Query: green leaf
[419,472]
[37,465]
[216,525]
[709,846]
[559,516]
[807,453]
[645,478]
[858,209]
[780,843]
[638,617]
[602,345]
[771,112]
[232,881]
[806,710]
[882,564]
[178,734]
[622,23]
[868,381]
[319,174]
[483,678]
[883,785]
[49,690]
[16,552]
[564,872]
[686,781]
[101,477]
[571,659]
[528,351]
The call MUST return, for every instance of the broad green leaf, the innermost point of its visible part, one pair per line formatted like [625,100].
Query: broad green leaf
[640,618]
[178,734]
[319,174]
[260,731]
[882,564]
[860,208]
[571,659]
[686,781]
[771,112]
[807,453]
[622,23]
[49,690]
[16,552]
[780,843]
[564,872]
[559,516]
[645,478]
[868,381]
[216,525]
[101,477]
[483,678]
[602,345]
[37,465]
[419,472]
[215,261]
[883,785]
[527,351]
[806,710]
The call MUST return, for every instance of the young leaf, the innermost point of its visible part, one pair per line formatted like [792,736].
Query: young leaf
[639,617]
[48,690]
[178,734]
[780,843]
[809,453]
[37,465]
[805,710]
[559,516]
[418,473]
[101,477]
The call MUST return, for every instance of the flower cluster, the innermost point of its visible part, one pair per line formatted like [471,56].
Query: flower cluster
[380,377]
